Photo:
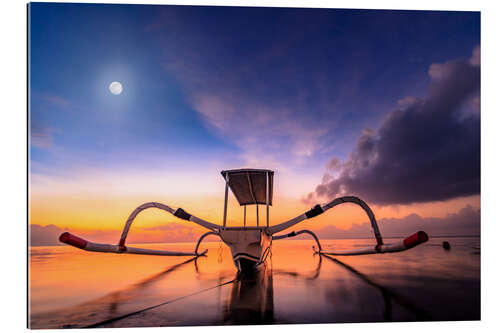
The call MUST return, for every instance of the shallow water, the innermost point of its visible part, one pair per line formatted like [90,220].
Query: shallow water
[74,288]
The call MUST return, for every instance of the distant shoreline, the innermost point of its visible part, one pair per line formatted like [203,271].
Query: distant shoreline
[345,238]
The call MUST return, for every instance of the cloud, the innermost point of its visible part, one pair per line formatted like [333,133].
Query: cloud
[41,133]
[55,100]
[407,101]
[476,56]
[44,235]
[466,222]
[264,101]
[166,233]
[258,128]
[41,136]
[427,150]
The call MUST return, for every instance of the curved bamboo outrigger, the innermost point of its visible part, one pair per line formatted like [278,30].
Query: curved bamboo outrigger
[250,245]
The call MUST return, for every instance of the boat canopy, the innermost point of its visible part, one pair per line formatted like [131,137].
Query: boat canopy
[249,185]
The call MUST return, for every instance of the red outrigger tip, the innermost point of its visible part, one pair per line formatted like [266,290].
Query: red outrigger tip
[416,239]
[73,240]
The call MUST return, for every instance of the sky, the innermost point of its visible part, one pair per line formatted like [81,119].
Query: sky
[380,104]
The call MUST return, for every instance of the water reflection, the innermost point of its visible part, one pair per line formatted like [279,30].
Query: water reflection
[387,294]
[119,298]
[71,288]
[106,308]
[302,275]
[210,276]
[251,298]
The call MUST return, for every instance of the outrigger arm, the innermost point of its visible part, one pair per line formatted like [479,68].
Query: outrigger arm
[405,244]
[296,233]
[83,244]
[320,209]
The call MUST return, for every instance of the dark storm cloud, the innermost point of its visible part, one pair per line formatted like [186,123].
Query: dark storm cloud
[428,150]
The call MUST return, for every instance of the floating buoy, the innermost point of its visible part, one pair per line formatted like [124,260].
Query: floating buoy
[446,245]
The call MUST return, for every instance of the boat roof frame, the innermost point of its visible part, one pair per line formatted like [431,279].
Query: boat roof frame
[241,189]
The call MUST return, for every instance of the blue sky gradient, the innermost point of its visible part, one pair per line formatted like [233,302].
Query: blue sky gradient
[211,88]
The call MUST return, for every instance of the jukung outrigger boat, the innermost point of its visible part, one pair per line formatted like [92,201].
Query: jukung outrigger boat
[250,245]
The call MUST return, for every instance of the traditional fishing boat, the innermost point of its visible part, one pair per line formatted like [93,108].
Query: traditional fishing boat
[250,245]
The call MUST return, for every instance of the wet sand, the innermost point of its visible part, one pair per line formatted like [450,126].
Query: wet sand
[73,288]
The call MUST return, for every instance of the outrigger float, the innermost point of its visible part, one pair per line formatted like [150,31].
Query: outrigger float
[250,245]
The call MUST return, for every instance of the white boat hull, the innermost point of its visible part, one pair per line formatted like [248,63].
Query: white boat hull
[249,246]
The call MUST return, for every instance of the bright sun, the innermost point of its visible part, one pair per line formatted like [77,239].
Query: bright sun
[116,88]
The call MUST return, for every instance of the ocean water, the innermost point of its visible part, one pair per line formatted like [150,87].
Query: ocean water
[69,287]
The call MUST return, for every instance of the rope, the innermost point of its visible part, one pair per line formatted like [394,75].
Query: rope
[108,321]
[219,259]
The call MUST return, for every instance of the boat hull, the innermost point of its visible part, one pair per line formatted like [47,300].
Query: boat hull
[249,246]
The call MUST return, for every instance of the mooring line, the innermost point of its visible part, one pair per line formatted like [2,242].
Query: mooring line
[108,321]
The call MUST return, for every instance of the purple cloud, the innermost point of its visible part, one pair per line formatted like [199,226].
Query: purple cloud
[55,100]
[164,233]
[465,222]
[425,151]
[41,136]
[44,236]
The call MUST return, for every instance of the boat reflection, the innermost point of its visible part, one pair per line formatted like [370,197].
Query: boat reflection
[251,300]
[252,296]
